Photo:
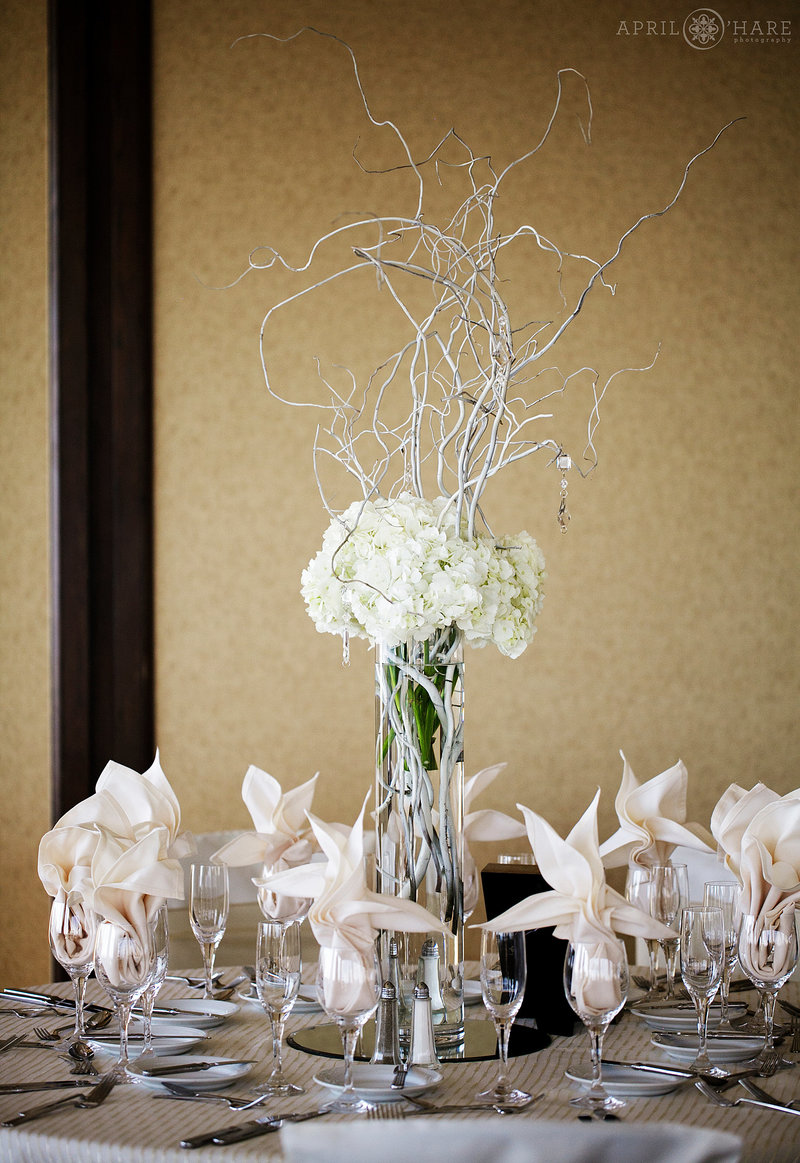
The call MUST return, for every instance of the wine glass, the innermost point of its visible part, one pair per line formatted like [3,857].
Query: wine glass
[670,892]
[123,964]
[702,959]
[596,986]
[503,976]
[72,932]
[638,891]
[277,906]
[768,956]
[348,989]
[277,982]
[725,896]
[160,930]
[208,913]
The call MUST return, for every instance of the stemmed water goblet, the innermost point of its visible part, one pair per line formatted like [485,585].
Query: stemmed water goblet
[639,892]
[348,989]
[278,907]
[503,976]
[596,987]
[278,966]
[160,931]
[669,893]
[725,895]
[208,913]
[72,932]
[702,948]
[123,965]
[768,956]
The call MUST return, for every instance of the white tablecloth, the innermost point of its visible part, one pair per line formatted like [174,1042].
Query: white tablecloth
[133,1126]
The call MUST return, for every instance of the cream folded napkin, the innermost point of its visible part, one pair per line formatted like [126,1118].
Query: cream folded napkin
[485,825]
[732,814]
[282,830]
[346,915]
[652,818]
[580,904]
[769,862]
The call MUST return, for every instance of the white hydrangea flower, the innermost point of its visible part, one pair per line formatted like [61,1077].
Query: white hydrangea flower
[393,571]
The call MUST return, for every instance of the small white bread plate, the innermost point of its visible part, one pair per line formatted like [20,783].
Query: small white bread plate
[211,1079]
[472,993]
[723,1048]
[167,1039]
[626,1082]
[675,1021]
[202,1013]
[306,1000]
[374,1082]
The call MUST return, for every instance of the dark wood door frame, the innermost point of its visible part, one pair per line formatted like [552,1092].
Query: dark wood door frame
[101,390]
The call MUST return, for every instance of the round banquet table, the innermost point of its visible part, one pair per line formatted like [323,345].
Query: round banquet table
[135,1126]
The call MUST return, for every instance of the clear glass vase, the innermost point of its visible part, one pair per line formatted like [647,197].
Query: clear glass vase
[419,816]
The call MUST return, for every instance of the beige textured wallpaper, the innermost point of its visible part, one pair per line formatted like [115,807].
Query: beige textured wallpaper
[24,668]
[670,623]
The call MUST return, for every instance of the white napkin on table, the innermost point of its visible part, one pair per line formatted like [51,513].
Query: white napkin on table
[346,915]
[580,904]
[652,817]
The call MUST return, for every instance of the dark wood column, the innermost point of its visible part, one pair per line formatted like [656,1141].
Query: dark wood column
[101,377]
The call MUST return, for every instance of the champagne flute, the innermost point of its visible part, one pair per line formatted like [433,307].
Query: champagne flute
[596,986]
[348,989]
[503,976]
[768,956]
[160,930]
[725,896]
[639,892]
[702,959]
[72,932]
[670,892]
[277,982]
[208,913]
[123,964]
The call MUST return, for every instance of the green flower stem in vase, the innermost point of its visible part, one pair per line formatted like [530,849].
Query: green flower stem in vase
[420,813]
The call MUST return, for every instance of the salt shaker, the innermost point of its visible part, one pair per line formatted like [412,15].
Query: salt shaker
[428,973]
[387,1037]
[422,1051]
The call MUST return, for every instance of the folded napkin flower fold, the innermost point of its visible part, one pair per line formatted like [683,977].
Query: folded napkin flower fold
[117,852]
[282,830]
[652,817]
[759,832]
[581,906]
[345,914]
[486,824]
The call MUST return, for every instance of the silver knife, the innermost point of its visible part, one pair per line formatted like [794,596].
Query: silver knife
[266,1124]
[189,1067]
[48,999]
[26,1087]
[94,1097]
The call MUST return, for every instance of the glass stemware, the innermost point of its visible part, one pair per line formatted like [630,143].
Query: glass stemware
[670,892]
[596,986]
[768,957]
[639,891]
[72,932]
[348,989]
[208,913]
[702,959]
[277,968]
[276,906]
[725,896]
[160,931]
[503,976]
[123,964]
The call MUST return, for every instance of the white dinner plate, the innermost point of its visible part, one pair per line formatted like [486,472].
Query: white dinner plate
[628,1083]
[673,1020]
[374,1082]
[167,1039]
[306,1002]
[721,1048]
[211,1079]
[202,1013]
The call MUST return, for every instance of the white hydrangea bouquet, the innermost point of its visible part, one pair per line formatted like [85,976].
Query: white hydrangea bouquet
[412,564]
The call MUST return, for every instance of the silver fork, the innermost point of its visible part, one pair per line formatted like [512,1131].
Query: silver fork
[178,1090]
[721,1100]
